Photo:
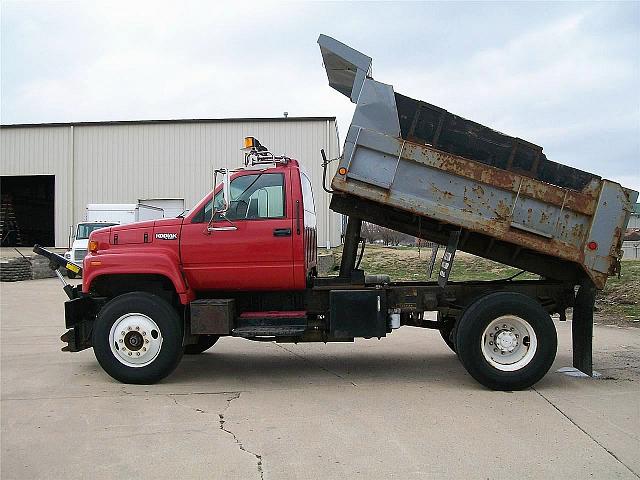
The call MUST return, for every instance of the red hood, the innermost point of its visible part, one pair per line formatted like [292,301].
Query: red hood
[165,222]
[141,232]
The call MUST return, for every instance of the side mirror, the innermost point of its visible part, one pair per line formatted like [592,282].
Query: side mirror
[226,196]
[226,201]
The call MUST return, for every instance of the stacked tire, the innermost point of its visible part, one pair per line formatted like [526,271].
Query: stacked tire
[15,270]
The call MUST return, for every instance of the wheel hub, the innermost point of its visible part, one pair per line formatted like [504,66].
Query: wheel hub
[506,341]
[135,340]
[509,343]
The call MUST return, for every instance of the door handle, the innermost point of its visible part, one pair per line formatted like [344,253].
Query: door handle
[282,232]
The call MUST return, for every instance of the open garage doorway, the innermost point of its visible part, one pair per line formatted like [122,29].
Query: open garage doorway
[26,212]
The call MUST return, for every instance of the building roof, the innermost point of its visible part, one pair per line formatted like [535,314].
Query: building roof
[188,120]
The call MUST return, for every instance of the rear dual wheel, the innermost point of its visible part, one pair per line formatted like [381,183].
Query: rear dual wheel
[506,341]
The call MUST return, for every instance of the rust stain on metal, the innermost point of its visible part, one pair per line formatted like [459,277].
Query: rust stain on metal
[583,202]
[544,218]
[577,232]
[479,191]
[502,211]
[442,193]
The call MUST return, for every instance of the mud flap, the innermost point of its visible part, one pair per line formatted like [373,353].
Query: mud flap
[582,327]
[78,338]
[80,314]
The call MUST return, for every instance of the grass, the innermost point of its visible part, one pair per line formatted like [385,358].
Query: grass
[620,298]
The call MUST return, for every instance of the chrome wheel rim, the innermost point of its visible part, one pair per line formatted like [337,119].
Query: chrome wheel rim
[509,343]
[135,340]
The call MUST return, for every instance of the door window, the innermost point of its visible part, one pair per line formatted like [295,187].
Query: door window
[253,197]
[307,193]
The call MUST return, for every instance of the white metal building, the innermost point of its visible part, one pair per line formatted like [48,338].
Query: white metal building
[50,172]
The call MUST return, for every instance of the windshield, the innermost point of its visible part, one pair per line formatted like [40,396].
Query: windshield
[84,229]
[253,196]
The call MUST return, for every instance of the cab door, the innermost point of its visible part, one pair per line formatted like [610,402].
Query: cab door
[249,248]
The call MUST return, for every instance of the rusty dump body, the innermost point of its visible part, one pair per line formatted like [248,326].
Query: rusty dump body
[417,168]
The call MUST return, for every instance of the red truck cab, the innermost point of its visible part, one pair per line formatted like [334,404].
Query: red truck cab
[265,241]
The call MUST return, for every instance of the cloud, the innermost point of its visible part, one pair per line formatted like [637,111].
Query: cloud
[563,76]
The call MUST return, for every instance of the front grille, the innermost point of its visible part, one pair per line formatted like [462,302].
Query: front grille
[79,255]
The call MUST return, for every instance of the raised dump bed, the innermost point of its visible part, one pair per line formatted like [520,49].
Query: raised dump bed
[417,168]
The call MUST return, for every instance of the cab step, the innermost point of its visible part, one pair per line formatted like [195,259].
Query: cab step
[271,324]
[269,331]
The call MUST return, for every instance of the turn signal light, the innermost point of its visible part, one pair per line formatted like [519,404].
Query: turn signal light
[93,246]
[342,171]
[592,246]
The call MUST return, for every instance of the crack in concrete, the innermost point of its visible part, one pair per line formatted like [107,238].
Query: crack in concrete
[303,358]
[123,394]
[586,433]
[222,421]
[235,438]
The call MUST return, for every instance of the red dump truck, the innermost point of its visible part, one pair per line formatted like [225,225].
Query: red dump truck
[243,262]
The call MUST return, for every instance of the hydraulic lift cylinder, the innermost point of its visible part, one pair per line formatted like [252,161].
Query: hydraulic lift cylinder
[350,248]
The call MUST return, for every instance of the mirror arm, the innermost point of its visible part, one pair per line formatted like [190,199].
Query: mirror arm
[231,226]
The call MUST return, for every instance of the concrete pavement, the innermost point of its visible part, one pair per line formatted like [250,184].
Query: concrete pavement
[402,407]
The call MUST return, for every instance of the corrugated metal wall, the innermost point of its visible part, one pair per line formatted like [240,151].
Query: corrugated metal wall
[43,151]
[121,163]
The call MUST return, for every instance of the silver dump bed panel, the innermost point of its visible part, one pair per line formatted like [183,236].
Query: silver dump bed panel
[583,226]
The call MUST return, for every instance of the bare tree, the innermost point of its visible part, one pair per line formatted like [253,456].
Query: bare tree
[370,232]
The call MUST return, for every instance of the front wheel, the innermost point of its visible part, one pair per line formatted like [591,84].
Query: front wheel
[506,341]
[137,338]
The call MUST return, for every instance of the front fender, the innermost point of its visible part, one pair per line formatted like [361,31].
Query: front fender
[136,262]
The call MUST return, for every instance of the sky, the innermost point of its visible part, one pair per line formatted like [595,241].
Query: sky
[565,76]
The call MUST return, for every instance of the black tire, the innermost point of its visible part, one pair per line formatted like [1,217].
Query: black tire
[448,335]
[170,332]
[71,275]
[470,340]
[205,342]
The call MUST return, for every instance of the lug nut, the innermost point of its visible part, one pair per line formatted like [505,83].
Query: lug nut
[138,354]
[146,340]
[495,349]
[128,328]
[122,332]
[130,354]
[138,328]
[144,333]
[144,349]
[490,343]
[121,340]
[497,328]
